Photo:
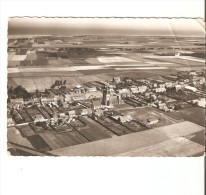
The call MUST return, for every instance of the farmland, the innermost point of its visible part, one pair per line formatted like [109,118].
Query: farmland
[68,91]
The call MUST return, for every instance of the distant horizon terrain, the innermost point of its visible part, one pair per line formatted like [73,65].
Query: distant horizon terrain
[106,26]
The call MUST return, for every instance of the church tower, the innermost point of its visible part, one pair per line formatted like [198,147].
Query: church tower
[106,96]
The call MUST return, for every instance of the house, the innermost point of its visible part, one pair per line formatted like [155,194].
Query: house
[124,91]
[96,104]
[155,85]
[123,119]
[169,84]
[116,79]
[65,105]
[142,89]
[61,115]
[152,121]
[93,94]
[190,88]
[161,85]
[160,90]
[67,98]
[202,80]
[17,101]
[134,89]
[91,89]
[86,111]
[39,118]
[78,97]
[72,113]
[162,106]
[10,121]
[46,100]
[58,98]
[193,73]
[37,101]
[98,113]
[178,87]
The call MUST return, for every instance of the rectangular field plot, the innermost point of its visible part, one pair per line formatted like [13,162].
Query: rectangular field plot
[93,61]
[134,126]
[142,115]
[44,113]
[114,127]
[55,140]
[93,131]
[27,130]
[103,59]
[25,116]
[193,114]
[60,62]
[19,58]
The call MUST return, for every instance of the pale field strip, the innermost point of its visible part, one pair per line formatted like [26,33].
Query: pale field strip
[89,67]
[130,142]
[114,59]
[143,68]
[178,57]
[191,58]
[111,45]
[10,56]
[160,57]
[135,65]
[154,62]
[19,58]
[16,70]
[71,68]
[177,147]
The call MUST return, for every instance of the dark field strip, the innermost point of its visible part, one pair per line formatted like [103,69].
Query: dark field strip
[99,71]
[45,74]
[93,131]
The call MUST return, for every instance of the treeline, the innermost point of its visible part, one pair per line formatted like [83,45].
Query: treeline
[58,83]
[18,92]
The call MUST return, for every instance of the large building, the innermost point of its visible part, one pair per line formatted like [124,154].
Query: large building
[111,99]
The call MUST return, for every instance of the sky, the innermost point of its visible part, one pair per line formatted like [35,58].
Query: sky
[105,26]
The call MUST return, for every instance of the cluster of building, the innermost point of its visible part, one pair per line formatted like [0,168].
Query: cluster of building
[94,98]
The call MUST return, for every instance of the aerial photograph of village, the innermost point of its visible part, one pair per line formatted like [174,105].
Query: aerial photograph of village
[106,87]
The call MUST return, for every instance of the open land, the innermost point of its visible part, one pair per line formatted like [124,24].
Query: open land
[67,93]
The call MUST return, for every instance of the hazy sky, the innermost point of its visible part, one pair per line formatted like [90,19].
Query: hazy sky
[104,26]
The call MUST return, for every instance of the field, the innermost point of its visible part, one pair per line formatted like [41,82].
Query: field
[100,58]
[193,114]
[93,131]
[142,114]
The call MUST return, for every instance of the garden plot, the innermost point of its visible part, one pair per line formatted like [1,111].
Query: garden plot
[114,59]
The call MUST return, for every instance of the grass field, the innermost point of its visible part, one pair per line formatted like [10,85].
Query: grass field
[142,114]
[193,114]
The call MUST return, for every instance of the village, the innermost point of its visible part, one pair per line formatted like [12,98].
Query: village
[101,109]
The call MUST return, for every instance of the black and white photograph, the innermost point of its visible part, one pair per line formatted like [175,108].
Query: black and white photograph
[106,87]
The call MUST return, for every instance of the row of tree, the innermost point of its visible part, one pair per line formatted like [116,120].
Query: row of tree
[18,92]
